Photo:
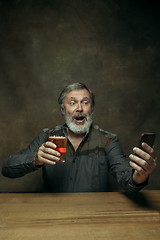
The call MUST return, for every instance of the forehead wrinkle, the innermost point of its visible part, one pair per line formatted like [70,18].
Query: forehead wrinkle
[75,95]
[74,98]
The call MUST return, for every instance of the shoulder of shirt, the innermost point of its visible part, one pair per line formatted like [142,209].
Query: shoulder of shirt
[45,130]
[59,127]
[105,133]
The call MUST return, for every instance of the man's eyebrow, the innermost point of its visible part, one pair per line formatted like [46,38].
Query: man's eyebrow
[72,98]
[86,98]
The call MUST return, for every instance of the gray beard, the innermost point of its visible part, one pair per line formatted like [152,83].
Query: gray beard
[80,129]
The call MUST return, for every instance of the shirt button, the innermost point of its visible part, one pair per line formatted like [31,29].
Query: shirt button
[71,178]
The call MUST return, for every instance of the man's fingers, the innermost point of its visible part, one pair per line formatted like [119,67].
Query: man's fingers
[138,168]
[148,149]
[50,157]
[44,160]
[49,144]
[49,149]
[47,154]
[140,163]
[142,155]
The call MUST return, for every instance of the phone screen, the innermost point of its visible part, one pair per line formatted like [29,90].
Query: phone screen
[147,138]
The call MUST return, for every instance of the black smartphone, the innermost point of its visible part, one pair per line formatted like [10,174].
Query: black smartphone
[147,138]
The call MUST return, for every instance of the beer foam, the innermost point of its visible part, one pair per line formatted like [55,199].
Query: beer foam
[57,137]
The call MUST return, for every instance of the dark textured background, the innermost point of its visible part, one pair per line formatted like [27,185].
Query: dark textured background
[112,46]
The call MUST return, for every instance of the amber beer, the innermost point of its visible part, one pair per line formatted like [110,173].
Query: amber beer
[61,143]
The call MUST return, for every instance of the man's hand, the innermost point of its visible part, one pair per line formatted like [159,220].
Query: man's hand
[47,154]
[144,162]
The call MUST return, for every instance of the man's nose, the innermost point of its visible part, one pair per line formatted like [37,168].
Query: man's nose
[79,107]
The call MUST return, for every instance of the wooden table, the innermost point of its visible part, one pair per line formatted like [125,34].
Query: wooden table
[80,216]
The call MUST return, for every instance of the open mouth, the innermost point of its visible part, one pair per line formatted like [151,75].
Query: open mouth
[79,119]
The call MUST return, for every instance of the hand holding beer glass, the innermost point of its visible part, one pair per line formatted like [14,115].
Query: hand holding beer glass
[52,151]
[61,143]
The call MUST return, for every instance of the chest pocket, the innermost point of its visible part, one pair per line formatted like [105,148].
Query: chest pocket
[94,169]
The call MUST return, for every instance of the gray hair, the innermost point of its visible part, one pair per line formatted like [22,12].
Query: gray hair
[75,86]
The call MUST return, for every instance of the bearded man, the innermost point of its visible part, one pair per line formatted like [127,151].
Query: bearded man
[91,152]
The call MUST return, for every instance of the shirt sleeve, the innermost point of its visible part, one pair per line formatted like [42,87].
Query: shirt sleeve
[120,168]
[21,163]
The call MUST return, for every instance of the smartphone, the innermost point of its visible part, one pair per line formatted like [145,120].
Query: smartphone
[147,138]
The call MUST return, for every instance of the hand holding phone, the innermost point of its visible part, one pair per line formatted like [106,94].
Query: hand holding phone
[140,162]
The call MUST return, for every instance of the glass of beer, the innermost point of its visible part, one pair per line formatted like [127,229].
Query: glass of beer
[61,143]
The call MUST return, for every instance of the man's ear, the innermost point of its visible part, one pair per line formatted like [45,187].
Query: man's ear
[62,110]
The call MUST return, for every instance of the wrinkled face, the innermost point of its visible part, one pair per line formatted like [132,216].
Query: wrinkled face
[77,110]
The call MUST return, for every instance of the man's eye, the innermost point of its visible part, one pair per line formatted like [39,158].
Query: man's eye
[72,103]
[85,103]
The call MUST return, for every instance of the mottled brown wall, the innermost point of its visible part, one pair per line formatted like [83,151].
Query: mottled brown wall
[112,46]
